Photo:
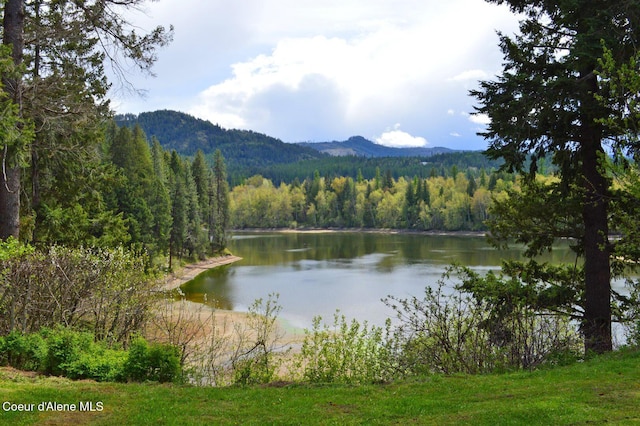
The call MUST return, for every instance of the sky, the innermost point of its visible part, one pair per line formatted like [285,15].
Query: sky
[397,72]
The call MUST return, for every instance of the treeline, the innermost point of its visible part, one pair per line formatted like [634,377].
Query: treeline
[127,191]
[450,203]
[445,165]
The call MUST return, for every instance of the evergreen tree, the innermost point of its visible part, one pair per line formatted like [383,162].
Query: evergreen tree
[130,152]
[196,239]
[220,203]
[59,48]
[548,102]
[410,208]
[160,203]
[179,208]
[471,186]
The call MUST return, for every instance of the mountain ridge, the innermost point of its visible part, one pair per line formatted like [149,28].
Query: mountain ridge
[186,134]
[362,147]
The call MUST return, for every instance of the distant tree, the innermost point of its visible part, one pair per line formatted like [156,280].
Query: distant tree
[160,203]
[179,207]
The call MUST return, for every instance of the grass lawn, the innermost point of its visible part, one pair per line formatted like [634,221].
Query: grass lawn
[605,389]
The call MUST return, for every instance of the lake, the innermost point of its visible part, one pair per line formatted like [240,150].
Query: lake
[317,273]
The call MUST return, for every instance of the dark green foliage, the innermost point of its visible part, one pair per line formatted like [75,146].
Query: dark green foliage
[551,102]
[350,166]
[249,153]
[219,203]
[63,350]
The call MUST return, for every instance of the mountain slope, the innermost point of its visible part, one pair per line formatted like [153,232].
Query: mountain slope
[240,148]
[361,147]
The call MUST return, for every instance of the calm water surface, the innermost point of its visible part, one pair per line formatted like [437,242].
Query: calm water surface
[315,274]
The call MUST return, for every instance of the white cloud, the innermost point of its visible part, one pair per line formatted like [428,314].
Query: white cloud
[322,70]
[479,118]
[470,75]
[455,134]
[396,138]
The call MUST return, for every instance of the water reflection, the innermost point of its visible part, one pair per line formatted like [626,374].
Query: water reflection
[315,274]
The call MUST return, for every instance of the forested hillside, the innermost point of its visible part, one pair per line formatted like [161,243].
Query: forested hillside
[249,153]
[446,164]
[243,149]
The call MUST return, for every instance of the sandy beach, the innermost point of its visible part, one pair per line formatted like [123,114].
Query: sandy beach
[194,326]
[189,272]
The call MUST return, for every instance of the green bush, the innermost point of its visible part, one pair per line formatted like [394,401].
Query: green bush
[65,347]
[98,363]
[24,352]
[347,353]
[76,355]
[152,362]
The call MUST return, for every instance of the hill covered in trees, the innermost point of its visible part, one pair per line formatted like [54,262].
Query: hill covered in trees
[241,148]
[249,153]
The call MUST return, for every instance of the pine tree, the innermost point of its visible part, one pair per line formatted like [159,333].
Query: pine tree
[546,103]
[60,92]
[202,178]
[220,203]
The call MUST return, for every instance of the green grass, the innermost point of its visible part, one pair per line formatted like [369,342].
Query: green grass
[605,389]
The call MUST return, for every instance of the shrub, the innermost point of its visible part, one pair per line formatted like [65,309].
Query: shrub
[109,290]
[64,348]
[448,331]
[24,352]
[152,362]
[256,353]
[98,363]
[348,353]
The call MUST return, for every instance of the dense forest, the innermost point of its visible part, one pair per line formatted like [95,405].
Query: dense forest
[446,164]
[459,200]
[134,192]
[250,153]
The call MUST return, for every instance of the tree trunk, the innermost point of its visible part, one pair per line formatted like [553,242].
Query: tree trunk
[9,200]
[597,296]
[13,28]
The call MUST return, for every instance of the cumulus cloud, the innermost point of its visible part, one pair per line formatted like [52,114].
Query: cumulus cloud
[324,70]
[397,138]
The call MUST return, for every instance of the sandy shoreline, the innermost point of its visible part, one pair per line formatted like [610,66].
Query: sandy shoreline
[360,231]
[189,272]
